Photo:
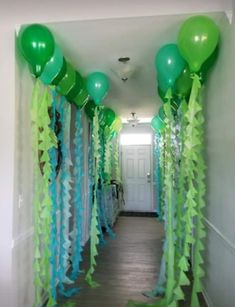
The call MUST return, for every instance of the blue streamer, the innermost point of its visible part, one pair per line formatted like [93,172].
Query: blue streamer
[65,188]
[78,205]
[53,192]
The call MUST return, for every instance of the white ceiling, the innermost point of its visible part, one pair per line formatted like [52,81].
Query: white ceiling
[97,44]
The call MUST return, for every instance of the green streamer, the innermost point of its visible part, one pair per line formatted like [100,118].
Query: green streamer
[43,140]
[169,193]
[116,161]
[94,232]
[187,202]
[108,160]
[198,271]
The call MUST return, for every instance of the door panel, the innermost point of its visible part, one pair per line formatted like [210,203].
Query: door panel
[136,161]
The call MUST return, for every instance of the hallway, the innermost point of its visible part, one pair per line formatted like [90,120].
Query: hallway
[126,266]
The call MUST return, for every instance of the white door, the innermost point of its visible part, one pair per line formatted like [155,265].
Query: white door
[136,162]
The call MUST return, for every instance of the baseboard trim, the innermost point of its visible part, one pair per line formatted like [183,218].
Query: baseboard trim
[223,238]
[138,214]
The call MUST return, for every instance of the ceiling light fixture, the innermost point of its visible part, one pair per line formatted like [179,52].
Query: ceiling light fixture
[123,69]
[133,120]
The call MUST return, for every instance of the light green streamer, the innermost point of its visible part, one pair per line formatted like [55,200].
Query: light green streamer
[198,271]
[108,160]
[116,161]
[94,232]
[189,200]
[169,193]
[43,140]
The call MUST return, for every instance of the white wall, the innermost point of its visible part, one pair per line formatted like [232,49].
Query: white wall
[220,141]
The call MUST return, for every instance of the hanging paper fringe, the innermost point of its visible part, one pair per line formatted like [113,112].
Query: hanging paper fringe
[77,249]
[65,197]
[44,140]
[53,192]
[94,232]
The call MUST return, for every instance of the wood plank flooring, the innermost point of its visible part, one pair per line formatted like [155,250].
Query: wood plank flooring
[126,266]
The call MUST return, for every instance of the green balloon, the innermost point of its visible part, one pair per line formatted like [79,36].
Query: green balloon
[197,39]
[61,73]
[97,86]
[157,124]
[90,109]
[107,117]
[37,46]
[81,99]
[208,64]
[78,85]
[68,81]
[183,84]
[169,64]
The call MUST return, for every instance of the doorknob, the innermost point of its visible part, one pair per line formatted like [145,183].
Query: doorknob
[148,177]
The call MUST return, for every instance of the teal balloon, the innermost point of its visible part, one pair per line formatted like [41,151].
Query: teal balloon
[157,124]
[61,73]
[161,94]
[97,86]
[169,65]
[53,67]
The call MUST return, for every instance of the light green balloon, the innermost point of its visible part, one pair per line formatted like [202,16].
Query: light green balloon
[197,39]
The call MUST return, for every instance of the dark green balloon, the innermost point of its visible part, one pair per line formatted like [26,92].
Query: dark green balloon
[107,117]
[37,46]
[208,64]
[183,84]
[90,109]
[76,88]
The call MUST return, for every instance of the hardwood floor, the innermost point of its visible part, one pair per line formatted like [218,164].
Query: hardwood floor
[126,266]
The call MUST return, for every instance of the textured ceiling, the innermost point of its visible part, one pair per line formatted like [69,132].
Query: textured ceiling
[97,44]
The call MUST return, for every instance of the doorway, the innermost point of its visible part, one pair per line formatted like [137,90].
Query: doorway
[136,161]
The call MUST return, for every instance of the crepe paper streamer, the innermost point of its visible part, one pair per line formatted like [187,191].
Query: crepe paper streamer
[116,161]
[65,198]
[160,288]
[94,232]
[169,210]
[157,173]
[103,214]
[44,140]
[53,192]
[198,271]
[38,285]
[77,249]
[189,155]
[181,190]
[108,161]
[103,170]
